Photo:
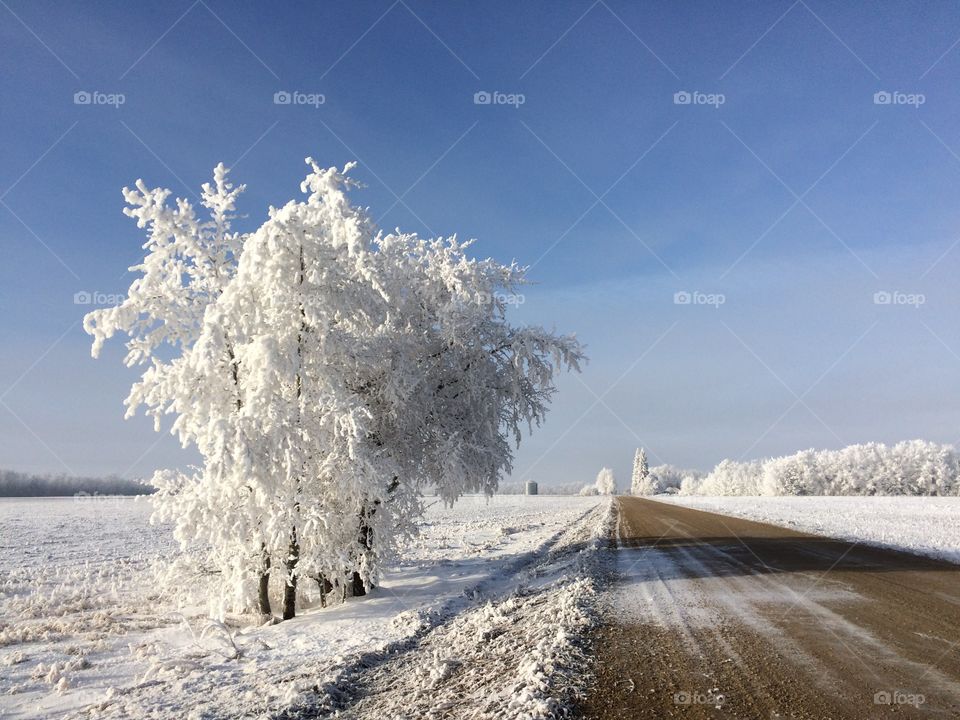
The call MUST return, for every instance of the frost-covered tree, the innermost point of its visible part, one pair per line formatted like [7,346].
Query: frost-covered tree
[733,478]
[669,478]
[189,262]
[326,373]
[690,485]
[641,482]
[606,483]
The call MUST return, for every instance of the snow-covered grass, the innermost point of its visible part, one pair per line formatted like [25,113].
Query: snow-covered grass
[86,629]
[923,525]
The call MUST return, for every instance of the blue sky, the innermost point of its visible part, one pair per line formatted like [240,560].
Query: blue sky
[784,189]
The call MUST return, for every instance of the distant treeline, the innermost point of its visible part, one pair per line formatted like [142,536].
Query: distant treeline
[18,484]
[520,488]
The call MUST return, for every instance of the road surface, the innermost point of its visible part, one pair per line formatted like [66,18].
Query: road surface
[718,617]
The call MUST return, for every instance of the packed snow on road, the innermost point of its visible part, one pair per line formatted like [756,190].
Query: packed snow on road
[483,612]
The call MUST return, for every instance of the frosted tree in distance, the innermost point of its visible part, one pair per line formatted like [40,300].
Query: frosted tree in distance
[641,482]
[326,373]
[606,483]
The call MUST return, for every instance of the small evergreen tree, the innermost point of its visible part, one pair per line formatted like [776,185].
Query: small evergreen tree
[642,482]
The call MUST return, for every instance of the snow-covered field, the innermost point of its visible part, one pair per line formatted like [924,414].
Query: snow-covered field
[86,629]
[924,525]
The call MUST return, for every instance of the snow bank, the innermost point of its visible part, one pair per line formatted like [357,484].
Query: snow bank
[516,649]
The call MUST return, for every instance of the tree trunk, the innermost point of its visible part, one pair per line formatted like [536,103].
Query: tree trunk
[366,541]
[290,588]
[293,556]
[357,588]
[326,587]
[265,583]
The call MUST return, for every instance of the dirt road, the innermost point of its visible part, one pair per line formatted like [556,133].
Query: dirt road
[718,617]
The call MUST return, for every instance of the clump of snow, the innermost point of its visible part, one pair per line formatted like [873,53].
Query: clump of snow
[13,658]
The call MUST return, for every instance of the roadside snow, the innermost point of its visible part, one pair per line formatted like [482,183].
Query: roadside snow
[923,525]
[514,654]
[86,631]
